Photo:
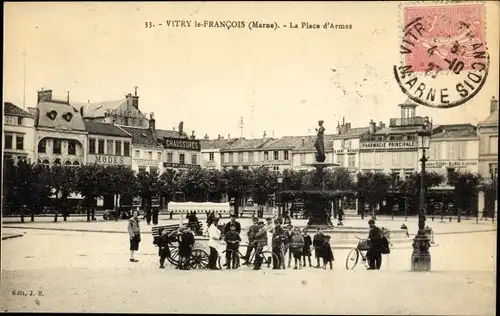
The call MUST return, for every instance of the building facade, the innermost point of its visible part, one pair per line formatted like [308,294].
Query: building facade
[392,149]
[18,133]
[108,145]
[245,153]
[488,158]
[453,148]
[61,138]
[211,157]
[346,146]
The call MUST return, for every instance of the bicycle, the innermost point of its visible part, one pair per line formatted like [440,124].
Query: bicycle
[268,257]
[360,250]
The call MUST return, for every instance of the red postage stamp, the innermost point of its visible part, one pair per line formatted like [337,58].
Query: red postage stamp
[450,31]
[444,60]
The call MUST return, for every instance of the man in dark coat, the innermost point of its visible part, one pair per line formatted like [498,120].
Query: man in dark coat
[163,246]
[233,221]
[374,255]
[260,242]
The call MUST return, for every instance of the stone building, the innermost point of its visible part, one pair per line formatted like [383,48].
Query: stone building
[18,133]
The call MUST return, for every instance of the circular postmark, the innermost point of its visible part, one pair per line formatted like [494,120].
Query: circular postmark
[444,58]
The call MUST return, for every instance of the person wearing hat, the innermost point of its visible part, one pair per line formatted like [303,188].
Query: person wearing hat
[374,254]
[260,242]
[252,230]
[186,243]
[233,221]
[278,241]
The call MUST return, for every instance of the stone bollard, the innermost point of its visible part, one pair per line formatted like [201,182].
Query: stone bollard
[171,214]
[433,218]
[450,219]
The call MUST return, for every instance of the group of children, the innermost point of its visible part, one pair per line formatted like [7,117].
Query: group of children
[298,245]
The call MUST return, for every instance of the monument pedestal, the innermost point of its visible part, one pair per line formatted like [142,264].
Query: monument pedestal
[421,257]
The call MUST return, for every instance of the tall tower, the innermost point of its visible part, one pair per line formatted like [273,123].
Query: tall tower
[408,111]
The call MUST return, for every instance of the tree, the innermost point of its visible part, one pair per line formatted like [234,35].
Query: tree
[465,191]
[338,179]
[9,202]
[293,179]
[239,182]
[122,183]
[169,181]
[195,184]
[92,184]
[148,186]
[373,188]
[412,186]
[218,185]
[62,181]
[265,182]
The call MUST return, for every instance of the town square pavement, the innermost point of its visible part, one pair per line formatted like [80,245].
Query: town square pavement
[90,272]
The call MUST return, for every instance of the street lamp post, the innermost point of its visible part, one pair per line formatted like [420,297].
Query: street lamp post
[421,257]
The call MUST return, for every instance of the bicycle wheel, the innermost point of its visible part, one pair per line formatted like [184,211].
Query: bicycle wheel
[352,259]
[199,259]
[268,259]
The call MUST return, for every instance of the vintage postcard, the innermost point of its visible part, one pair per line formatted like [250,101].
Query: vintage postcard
[250,157]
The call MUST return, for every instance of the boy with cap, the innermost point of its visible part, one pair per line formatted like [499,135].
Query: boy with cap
[232,239]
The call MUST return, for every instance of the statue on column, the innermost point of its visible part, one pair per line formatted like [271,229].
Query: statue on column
[320,143]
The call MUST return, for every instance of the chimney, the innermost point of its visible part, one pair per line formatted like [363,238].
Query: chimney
[493,105]
[181,128]
[372,128]
[206,137]
[264,135]
[44,96]
[381,124]
[339,129]
[192,135]
[68,97]
[152,123]
[347,127]
[303,141]
[228,136]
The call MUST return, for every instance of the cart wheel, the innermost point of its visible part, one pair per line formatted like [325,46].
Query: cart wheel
[174,257]
[199,259]
[352,259]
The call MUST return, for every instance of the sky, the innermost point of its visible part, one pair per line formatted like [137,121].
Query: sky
[280,81]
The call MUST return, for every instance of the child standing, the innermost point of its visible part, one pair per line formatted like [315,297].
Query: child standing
[306,251]
[326,253]
[232,239]
[163,246]
[186,242]
[296,246]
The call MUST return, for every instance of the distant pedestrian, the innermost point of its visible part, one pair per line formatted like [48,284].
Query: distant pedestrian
[134,234]
[148,215]
[156,213]
[288,242]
